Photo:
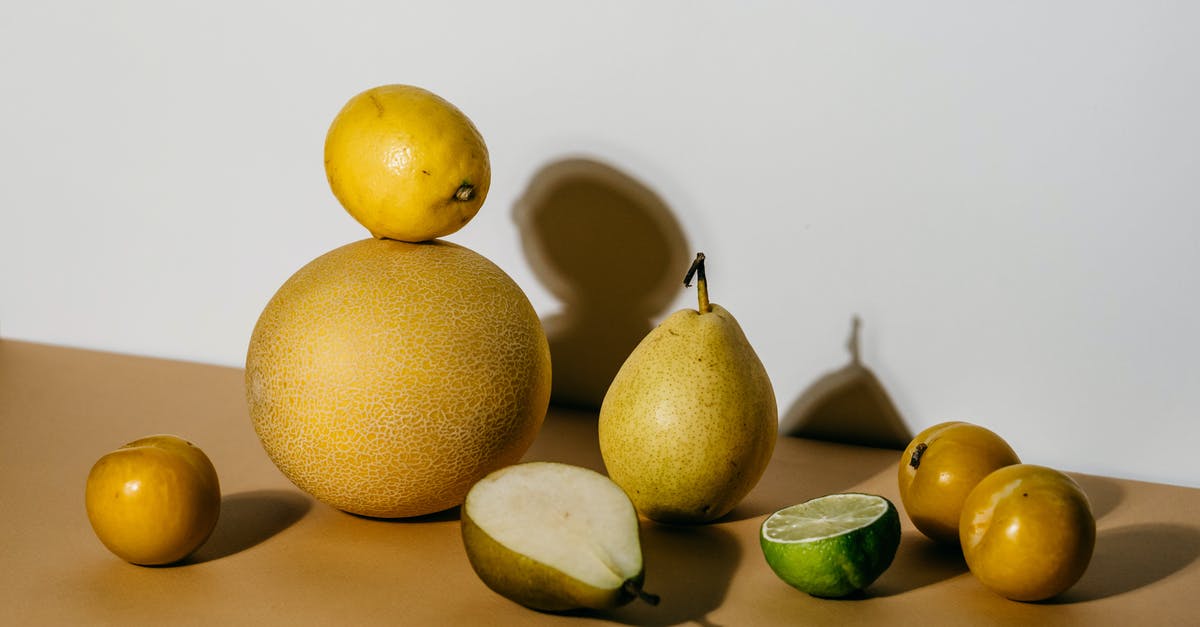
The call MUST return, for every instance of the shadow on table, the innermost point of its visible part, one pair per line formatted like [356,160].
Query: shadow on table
[248,519]
[568,436]
[1103,493]
[819,469]
[1134,556]
[919,562]
[689,568]
[446,515]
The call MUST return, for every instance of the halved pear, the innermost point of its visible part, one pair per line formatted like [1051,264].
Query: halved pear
[554,537]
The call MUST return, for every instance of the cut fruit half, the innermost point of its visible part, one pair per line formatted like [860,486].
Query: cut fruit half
[554,537]
[832,545]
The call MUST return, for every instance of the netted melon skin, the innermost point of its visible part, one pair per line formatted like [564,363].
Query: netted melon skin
[385,378]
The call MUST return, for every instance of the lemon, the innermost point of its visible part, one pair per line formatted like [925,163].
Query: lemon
[407,164]
[832,545]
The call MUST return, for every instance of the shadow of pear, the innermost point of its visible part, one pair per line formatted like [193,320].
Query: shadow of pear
[250,518]
[848,405]
[1131,557]
[802,469]
[689,568]
[609,249]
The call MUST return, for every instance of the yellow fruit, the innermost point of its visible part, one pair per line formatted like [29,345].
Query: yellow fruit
[1027,532]
[554,537]
[406,164]
[940,467]
[385,378]
[689,423]
[154,500]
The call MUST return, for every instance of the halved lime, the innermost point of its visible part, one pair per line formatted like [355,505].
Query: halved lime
[832,545]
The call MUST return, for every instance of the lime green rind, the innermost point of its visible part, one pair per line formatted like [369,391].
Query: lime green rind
[837,565]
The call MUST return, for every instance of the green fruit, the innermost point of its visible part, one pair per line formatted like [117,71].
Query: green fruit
[689,423]
[554,537]
[833,545]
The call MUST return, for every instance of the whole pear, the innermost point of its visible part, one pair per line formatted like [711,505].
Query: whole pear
[690,421]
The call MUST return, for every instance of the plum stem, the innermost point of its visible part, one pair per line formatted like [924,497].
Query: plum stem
[915,460]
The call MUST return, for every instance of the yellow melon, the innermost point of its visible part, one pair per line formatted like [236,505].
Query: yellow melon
[385,378]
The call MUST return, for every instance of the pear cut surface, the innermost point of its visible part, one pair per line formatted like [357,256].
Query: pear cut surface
[568,518]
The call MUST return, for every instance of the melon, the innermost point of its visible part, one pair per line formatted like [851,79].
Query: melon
[384,378]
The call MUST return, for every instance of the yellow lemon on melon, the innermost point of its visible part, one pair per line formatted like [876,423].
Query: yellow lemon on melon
[406,163]
[386,377]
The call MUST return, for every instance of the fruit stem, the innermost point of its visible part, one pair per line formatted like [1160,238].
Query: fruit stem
[634,588]
[852,344]
[915,460]
[697,270]
[465,192]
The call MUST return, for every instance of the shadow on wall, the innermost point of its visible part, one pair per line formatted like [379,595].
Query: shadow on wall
[848,405]
[613,253]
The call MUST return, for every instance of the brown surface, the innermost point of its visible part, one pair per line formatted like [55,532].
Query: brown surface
[277,557]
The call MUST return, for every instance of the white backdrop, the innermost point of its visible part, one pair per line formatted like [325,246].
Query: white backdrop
[1006,193]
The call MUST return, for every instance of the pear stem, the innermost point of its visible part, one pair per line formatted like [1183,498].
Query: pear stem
[853,343]
[697,270]
[634,588]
